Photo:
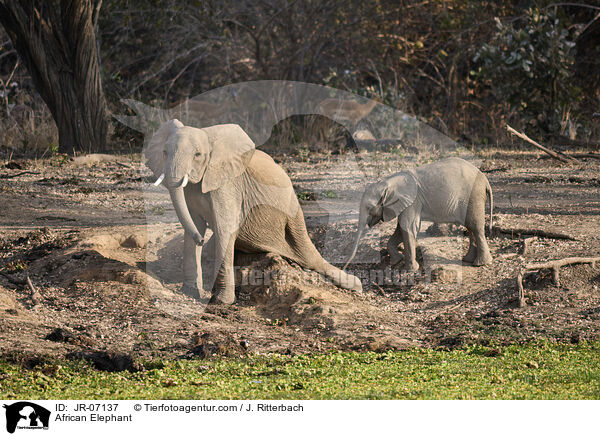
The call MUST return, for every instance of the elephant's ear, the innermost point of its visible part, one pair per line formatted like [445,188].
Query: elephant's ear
[400,193]
[231,150]
[154,151]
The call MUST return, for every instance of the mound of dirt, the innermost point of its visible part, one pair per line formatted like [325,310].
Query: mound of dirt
[289,293]
[95,294]
[8,303]
[286,294]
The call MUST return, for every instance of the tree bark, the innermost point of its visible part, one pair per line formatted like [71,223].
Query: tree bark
[56,41]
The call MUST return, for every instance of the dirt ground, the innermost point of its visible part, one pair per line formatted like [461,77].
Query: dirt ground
[102,250]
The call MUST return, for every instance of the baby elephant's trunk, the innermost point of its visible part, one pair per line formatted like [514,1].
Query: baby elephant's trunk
[359,232]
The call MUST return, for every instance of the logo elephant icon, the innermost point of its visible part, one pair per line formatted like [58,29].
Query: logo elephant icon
[28,415]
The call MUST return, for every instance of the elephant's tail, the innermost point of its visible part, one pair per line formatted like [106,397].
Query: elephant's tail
[307,255]
[488,191]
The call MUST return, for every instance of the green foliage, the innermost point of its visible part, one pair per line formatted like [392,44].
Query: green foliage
[13,267]
[533,371]
[529,65]
[157,210]
[306,196]
[53,148]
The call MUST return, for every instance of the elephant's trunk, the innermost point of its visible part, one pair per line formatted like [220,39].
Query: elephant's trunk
[359,232]
[180,205]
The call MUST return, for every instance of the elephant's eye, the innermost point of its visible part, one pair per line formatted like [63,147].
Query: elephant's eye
[198,154]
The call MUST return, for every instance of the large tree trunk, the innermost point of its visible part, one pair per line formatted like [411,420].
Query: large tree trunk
[56,40]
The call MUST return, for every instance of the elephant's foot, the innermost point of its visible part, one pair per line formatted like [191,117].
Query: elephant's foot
[190,291]
[471,255]
[395,259]
[483,259]
[223,297]
[410,265]
[352,283]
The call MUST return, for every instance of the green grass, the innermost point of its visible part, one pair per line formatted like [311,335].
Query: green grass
[329,194]
[306,196]
[533,371]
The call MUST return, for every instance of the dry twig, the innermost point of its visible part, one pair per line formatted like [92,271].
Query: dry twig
[556,155]
[527,244]
[22,173]
[35,295]
[534,232]
[380,290]
[554,265]
[124,165]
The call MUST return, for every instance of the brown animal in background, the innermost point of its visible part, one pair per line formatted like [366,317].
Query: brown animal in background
[194,110]
[349,110]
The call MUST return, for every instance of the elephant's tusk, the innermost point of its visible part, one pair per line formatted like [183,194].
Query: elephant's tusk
[159,180]
[185,181]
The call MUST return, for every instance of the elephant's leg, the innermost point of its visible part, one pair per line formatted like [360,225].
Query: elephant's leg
[208,264]
[475,223]
[472,252]
[410,250]
[392,246]
[224,287]
[483,251]
[192,266]
[192,269]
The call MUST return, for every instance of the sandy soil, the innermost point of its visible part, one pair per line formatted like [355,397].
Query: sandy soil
[102,249]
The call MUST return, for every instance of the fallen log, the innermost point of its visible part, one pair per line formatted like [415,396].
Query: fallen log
[494,170]
[578,155]
[22,173]
[553,265]
[556,155]
[533,232]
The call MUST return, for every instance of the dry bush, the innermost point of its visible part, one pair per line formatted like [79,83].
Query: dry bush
[35,137]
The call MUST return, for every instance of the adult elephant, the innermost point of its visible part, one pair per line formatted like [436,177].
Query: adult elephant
[216,178]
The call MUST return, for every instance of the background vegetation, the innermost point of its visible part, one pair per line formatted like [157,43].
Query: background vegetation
[467,67]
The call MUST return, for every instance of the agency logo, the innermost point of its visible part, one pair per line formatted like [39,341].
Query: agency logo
[26,415]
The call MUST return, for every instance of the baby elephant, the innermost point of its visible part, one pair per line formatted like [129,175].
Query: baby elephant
[448,191]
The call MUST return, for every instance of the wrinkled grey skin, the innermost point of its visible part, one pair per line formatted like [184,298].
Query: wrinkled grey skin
[448,191]
[217,179]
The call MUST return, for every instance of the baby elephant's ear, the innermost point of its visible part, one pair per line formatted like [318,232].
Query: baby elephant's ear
[400,193]
[231,150]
